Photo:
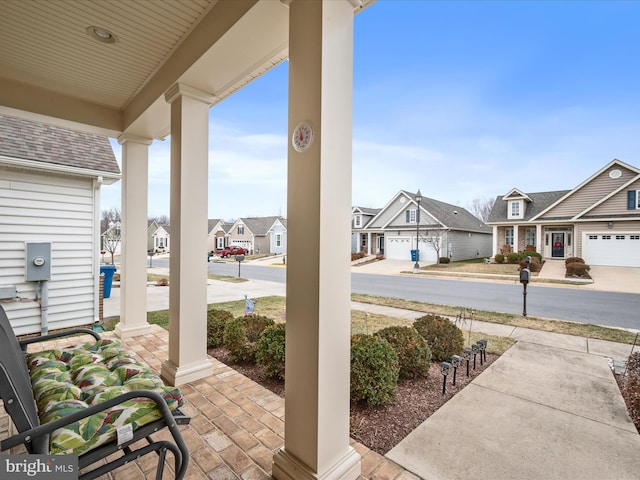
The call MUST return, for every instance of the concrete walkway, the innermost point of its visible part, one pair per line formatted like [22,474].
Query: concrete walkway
[549,408]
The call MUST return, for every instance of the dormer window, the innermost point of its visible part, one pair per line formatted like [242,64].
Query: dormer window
[516,209]
[357,221]
[240,230]
[410,216]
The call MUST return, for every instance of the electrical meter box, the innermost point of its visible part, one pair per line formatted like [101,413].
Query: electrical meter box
[38,261]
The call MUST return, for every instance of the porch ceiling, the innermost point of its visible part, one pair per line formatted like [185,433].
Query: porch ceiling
[50,66]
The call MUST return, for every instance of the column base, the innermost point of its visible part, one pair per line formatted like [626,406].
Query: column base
[174,375]
[288,467]
[132,331]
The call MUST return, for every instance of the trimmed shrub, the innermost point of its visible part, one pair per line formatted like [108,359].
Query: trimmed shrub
[533,255]
[571,260]
[578,269]
[499,258]
[414,355]
[534,266]
[374,370]
[271,349]
[357,255]
[513,257]
[241,336]
[216,321]
[442,336]
[444,260]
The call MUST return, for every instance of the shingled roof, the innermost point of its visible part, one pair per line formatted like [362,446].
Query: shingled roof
[38,142]
[539,202]
[260,225]
[452,216]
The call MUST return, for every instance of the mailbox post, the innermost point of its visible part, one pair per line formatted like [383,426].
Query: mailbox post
[525,278]
[239,259]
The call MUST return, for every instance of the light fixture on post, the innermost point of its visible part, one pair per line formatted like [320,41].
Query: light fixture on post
[468,353]
[483,349]
[416,267]
[444,368]
[476,349]
[455,362]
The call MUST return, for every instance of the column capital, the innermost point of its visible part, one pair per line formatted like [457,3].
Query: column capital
[182,90]
[128,137]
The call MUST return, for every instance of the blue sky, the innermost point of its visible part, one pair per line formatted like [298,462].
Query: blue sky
[462,99]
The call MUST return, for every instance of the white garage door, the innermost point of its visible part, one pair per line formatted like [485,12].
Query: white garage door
[615,250]
[399,248]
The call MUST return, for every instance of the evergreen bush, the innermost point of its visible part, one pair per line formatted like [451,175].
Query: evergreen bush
[442,336]
[414,355]
[216,321]
[241,336]
[271,351]
[374,370]
[499,258]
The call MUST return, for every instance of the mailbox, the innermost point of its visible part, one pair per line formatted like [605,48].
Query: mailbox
[525,275]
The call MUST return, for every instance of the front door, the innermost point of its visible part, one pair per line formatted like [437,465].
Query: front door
[557,245]
[381,243]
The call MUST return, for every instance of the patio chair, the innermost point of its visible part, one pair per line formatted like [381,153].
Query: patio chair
[92,400]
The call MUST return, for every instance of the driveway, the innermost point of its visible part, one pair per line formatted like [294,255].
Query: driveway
[614,279]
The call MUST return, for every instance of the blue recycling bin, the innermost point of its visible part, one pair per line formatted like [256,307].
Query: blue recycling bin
[415,255]
[108,271]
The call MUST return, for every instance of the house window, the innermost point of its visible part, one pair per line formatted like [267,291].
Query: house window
[358,221]
[410,216]
[530,236]
[633,199]
[546,239]
[220,242]
[508,236]
[568,239]
[593,237]
[634,237]
[363,240]
[278,239]
[515,209]
[161,242]
[606,237]
[240,230]
[619,237]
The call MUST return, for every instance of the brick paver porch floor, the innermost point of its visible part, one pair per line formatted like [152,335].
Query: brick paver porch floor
[236,425]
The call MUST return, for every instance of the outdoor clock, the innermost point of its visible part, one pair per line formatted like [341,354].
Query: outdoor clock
[302,137]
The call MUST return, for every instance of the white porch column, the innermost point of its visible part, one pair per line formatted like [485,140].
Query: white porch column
[496,249]
[133,259]
[539,240]
[515,238]
[368,243]
[189,196]
[319,230]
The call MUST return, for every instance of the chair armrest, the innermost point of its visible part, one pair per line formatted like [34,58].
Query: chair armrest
[51,336]
[49,427]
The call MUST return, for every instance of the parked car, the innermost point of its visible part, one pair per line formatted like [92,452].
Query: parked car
[233,250]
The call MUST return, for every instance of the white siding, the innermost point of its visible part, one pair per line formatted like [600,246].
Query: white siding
[48,208]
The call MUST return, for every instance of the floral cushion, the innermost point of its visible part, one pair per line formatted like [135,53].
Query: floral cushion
[72,379]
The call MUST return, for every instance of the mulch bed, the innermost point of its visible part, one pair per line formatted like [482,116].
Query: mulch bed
[382,428]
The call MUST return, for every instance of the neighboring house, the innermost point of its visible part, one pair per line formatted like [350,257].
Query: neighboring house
[218,234]
[50,179]
[260,234]
[158,237]
[444,230]
[599,220]
[363,242]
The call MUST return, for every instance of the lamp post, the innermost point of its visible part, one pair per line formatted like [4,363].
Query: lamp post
[416,267]
[444,368]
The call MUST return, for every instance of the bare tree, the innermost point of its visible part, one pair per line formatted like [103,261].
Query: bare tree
[481,208]
[108,218]
[111,239]
[160,219]
[435,239]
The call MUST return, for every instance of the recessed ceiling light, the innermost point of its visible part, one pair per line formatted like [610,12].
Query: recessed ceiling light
[101,34]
